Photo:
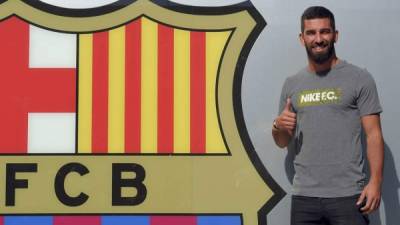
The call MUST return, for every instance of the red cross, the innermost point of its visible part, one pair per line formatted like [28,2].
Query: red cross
[24,89]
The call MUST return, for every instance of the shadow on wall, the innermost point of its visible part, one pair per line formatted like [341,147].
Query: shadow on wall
[390,194]
[390,186]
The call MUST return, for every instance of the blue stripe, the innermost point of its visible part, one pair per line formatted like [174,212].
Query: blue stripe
[125,220]
[28,220]
[218,220]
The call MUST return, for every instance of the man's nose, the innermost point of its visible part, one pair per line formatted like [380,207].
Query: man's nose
[318,38]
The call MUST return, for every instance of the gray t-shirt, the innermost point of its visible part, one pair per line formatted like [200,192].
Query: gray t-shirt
[327,142]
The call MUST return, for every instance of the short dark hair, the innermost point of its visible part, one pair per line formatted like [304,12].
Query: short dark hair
[317,12]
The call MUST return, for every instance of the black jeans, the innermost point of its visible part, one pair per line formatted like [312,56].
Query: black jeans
[326,211]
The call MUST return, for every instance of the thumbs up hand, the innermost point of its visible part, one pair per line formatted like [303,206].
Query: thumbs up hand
[286,121]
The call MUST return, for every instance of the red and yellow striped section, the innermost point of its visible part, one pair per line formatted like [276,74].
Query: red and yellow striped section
[149,88]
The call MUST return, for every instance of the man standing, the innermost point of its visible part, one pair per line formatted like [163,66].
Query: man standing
[323,110]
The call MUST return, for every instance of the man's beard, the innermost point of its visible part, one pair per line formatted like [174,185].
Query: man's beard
[321,57]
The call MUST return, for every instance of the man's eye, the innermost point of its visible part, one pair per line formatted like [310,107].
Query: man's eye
[325,31]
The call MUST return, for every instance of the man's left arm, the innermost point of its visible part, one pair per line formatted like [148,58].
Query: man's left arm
[375,155]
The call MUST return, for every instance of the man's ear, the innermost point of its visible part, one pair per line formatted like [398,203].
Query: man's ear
[336,36]
[301,38]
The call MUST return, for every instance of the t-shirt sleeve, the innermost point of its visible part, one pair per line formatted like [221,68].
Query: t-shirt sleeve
[284,96]
[368,99]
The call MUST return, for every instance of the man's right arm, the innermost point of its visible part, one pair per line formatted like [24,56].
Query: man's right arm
[284,125]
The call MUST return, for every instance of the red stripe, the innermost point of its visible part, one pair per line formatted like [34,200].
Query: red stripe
[173,220]
[197,92]
[165,89]
[100,93]
[1,220]
[14,39]
[77,220]
[132,87]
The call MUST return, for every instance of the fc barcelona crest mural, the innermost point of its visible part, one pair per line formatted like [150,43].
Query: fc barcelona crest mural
[134,117]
